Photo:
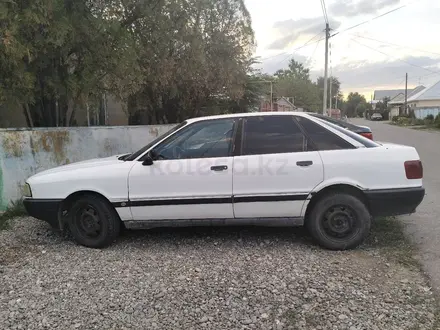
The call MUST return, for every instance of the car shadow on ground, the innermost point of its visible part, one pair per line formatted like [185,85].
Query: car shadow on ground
[191,235]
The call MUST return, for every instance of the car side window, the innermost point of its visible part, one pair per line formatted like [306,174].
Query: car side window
[203,139]
[272,135]
[322,138]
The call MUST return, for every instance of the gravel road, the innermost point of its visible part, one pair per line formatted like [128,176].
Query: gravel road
[424,225]
[224,278]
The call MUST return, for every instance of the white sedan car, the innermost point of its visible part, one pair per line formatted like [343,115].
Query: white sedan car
[268,169]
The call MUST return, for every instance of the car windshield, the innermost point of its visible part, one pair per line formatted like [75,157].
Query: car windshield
[136,154]
[364,141]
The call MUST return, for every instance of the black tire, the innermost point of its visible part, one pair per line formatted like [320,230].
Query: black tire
[339,221]
[93,222]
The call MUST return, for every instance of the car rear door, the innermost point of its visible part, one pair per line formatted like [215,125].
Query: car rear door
[274,168]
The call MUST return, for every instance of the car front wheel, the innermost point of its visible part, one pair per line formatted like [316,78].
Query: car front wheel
[339,221]
[93,222]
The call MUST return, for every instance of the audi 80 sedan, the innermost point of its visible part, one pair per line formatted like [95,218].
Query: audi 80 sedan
[267,169]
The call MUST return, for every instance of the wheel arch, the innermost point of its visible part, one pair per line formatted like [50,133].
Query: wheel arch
[67,203]
[339,187]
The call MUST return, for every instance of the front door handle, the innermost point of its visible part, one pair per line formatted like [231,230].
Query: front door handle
[304,163]
[219,168]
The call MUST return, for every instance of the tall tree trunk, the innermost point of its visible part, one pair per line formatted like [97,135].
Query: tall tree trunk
[27,115]
[72,115]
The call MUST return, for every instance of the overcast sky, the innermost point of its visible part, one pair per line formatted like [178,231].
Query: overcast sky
[360,63]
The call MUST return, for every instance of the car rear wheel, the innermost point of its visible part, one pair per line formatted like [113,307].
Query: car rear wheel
[93,222]
[339,221]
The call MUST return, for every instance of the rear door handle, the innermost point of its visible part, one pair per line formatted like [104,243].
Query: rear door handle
[304,163]
[219,168]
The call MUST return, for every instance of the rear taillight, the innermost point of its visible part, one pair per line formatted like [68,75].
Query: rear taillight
[367,135]
[414,169]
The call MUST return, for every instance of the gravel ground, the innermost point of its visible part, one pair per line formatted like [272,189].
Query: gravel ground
[224,278]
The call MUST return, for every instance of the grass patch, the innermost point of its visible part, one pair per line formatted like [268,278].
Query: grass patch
[14,209]
[388,234]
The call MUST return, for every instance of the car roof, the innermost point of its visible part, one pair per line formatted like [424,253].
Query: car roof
[249,114]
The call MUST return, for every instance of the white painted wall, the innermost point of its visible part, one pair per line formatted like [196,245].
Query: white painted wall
[24,152]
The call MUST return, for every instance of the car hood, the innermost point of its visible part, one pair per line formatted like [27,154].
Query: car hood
[83,164]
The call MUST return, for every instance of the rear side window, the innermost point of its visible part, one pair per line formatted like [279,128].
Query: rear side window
[272,135]
[322,138]
[362,140]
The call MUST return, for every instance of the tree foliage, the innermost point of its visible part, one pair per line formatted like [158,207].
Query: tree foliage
[295,70]
[295,82]
[356,105]
[166,58]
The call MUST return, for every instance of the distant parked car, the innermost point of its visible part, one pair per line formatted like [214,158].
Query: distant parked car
[365,131]
[269,169]
[376,116]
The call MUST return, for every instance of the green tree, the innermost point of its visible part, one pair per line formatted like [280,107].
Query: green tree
[295,70]
[355,104]
[167,59]
[305,93]
[202,52]
[56,55]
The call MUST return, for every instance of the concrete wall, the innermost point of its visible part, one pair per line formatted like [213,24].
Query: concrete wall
[24,152]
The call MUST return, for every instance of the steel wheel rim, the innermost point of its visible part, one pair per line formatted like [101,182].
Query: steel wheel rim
[340,222]
[88,222]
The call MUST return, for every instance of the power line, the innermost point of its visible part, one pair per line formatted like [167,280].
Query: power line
[389,43]
[409,63]
[313,54]
[372,19]
[324,11]
[296,49]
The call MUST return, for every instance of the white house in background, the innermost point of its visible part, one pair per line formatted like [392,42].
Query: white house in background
[426,102]
[397,102]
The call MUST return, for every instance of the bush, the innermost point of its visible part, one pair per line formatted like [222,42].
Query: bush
[430,117]
[437,119]
[14,209]
[395,119]
[428,122]
[404,121]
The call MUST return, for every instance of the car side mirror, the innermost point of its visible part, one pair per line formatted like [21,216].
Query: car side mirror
[149,158]
[148,161]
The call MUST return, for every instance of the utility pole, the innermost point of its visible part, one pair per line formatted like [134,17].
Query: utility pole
[271,96]
[330,92]
[406,94]
[327,36]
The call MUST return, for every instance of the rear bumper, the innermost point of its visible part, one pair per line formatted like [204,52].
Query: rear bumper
[44,209]
[394,201]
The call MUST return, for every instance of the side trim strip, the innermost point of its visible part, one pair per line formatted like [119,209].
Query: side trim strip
[271,198]
[186,201]
[224,200]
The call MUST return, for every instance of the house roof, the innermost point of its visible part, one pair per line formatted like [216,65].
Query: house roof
[379,95]
[429,93]
[285,99]
[400,98]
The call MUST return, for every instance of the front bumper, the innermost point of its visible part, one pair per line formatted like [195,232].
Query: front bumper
[389,202]
[44,209]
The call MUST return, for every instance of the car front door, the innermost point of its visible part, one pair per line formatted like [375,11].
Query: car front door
[275,170]
[190,176]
